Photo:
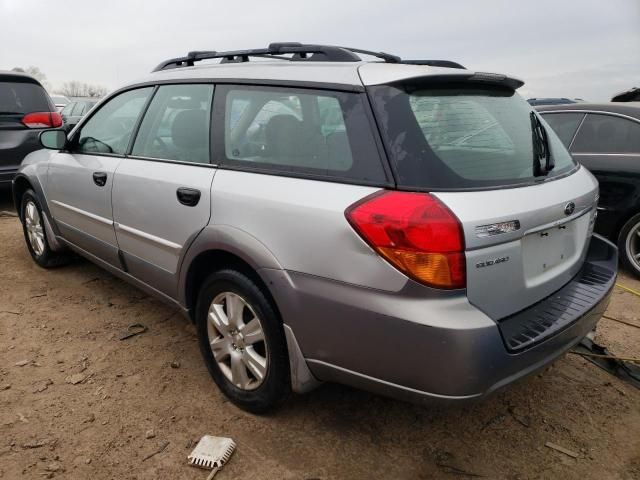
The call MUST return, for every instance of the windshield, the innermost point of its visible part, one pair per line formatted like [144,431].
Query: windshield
[463,136]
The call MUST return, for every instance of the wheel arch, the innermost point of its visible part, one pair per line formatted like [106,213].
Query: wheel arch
[223,246]
[20,185]
[218,247]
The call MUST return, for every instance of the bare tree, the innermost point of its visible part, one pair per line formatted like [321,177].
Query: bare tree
[35,72]
[81,89]
[72,89]
[97,90]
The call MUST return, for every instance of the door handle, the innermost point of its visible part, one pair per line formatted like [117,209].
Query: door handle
[188,196]
[100,178]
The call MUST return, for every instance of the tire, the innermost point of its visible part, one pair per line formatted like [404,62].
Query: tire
[238,342]
[629,244]
[35,234]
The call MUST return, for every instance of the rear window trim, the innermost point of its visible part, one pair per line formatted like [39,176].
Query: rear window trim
[542,180]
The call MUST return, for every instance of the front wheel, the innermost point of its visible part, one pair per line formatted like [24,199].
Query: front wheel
[242,341]
[629,244]
[35,234]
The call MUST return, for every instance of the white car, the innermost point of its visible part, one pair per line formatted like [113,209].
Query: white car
[60,101]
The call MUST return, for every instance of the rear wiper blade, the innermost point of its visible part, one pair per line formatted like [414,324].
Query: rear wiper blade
[541,150]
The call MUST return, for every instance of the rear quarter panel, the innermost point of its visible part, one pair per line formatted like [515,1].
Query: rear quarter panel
[302,223]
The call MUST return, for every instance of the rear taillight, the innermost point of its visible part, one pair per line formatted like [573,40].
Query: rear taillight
[42,120]
[416,233]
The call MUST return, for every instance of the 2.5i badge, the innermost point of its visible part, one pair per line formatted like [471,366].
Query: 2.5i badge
[493,261]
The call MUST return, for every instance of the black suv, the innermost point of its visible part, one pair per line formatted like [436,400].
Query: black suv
[25,110]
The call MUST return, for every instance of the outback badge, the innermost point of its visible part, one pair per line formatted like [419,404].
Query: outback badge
[493,261]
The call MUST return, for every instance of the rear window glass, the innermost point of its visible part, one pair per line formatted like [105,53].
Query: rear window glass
[319,133]
[464,136]
[19,97]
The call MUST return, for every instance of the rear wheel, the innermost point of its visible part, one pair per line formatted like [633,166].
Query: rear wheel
[629,244]
[242,341]
[35,234]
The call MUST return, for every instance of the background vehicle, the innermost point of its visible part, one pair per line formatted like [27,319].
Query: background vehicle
[325,218]
[25,110]
[553,101]
[74,111]
[631,95]
[605,138]
[59,100]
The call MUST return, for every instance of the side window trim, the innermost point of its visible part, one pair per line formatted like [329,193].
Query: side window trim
[136,127]
[218,152]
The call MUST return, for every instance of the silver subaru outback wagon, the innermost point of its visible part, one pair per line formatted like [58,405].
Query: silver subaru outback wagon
[411,228]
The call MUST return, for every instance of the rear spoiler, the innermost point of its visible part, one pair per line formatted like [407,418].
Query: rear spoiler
[472,77]
[17,77]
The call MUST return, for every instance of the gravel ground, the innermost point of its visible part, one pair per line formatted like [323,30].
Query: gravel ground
[77,403]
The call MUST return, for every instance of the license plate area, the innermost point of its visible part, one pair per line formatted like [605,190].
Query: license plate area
[548,252]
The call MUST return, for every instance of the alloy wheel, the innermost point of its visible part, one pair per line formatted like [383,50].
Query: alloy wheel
[35,231]
[237,340]
[633,245]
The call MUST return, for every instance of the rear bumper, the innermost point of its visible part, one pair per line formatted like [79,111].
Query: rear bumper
[7,174]
[14,146]
[417,348]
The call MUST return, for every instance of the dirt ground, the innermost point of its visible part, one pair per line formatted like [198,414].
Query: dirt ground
[78,403]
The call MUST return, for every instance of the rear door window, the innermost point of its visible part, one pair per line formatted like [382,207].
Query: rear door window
[298,131]
[177,124]
[564,124]
[461,136]
[602,133]
[21,98]
[109,129]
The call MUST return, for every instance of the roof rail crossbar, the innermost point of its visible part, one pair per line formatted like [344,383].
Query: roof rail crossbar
[387,57]
[297,52]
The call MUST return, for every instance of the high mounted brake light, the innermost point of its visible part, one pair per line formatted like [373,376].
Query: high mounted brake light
[416,233]
[42,120]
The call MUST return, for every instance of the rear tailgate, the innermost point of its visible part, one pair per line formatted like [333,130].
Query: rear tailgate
[19,95]
[507,272]
[526,208]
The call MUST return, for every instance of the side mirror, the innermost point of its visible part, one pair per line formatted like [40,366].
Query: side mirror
[53,139]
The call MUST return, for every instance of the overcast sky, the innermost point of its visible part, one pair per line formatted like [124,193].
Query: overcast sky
[572,48]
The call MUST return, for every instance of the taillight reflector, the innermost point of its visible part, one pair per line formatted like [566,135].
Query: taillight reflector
[416,233]
[42,120]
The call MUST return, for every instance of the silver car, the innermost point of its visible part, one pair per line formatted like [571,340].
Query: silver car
[411,228]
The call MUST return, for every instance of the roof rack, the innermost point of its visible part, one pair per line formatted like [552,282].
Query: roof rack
[297,52]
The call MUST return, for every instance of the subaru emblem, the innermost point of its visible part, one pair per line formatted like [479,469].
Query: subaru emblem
[569,208]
